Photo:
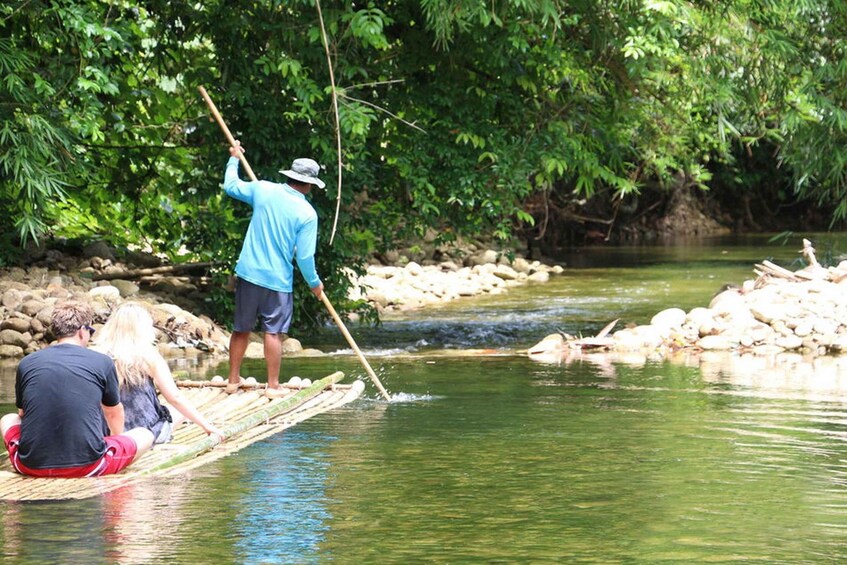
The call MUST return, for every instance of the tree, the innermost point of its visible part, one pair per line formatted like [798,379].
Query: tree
[466,118]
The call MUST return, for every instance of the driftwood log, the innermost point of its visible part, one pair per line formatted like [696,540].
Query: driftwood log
[814,270]
[150,271]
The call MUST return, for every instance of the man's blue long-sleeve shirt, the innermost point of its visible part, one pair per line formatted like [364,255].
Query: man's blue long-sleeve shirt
[284,226]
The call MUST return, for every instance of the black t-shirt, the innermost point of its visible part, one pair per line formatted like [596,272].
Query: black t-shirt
[60,389]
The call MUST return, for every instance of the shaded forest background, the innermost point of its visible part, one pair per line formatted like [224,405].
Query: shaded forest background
[535,123]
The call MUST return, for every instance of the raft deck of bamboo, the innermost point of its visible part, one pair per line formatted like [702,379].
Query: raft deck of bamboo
[245,418]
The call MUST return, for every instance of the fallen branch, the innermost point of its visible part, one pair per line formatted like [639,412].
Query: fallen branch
[809,253]
[776,271]
[139,273]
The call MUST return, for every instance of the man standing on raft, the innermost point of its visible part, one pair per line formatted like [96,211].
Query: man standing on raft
[284,226]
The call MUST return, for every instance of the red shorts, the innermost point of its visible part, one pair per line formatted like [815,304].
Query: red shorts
[120,451]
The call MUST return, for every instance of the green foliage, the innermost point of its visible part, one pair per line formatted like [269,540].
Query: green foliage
[455,115]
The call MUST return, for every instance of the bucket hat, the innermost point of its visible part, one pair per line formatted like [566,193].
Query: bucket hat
[304,170]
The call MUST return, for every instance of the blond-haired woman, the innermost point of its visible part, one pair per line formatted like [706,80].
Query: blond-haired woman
[129,338]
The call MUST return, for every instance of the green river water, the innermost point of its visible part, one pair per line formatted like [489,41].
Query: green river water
[496,458]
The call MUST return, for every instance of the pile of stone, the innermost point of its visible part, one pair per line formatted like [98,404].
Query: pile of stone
[411,286]
[27,298]
[803,311]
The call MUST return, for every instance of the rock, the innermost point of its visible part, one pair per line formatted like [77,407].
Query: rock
[11,351]
[552,342]
[539,276]
[505,272]
[389,287]
[174,285]
[728,302]
[19,324]
[379,298]
[789,342]
[106,293]
[775,315]
[58,291]
[767,312]
[291,345]
[715,342]
[414,269]
[12,298]
[488,256]
[804,328]
[127,289]
[825,326]
[12,337]
[141,259]
[17,275]
[627,340]
[31,307]
[761,333]
[670,318]
[98,249]
[767,349]
[255,351]
[521,265]
[548,350]
[44,315]
[29,295]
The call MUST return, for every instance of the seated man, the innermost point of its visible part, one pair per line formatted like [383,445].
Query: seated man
[63,393]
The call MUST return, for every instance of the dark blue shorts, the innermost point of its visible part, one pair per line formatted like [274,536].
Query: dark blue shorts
[272,308]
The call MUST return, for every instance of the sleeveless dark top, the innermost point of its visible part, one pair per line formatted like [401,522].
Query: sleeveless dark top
[142,408]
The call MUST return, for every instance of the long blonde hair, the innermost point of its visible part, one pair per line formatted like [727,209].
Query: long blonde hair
[129,338]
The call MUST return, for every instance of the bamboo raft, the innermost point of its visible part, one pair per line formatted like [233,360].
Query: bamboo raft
[245,418]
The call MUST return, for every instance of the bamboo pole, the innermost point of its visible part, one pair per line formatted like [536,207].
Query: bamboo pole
[254,419]
[323,297]
[355,347]
[225,129]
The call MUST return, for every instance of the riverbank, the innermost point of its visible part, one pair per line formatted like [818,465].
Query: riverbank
[27,295]
[802,311]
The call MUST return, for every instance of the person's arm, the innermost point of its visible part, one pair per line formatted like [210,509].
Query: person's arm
[113,410]
[164,381]
[19,398]
[233,185]
[114,418]
[307,237]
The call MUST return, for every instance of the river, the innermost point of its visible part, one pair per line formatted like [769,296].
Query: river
[485,456]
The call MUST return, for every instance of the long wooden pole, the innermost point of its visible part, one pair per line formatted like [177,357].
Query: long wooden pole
[225,129]
[324,299]
[353,345]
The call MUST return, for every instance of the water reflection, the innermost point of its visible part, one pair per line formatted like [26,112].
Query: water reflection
[783,375]
[54,532]
[282,517]
[141,521]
